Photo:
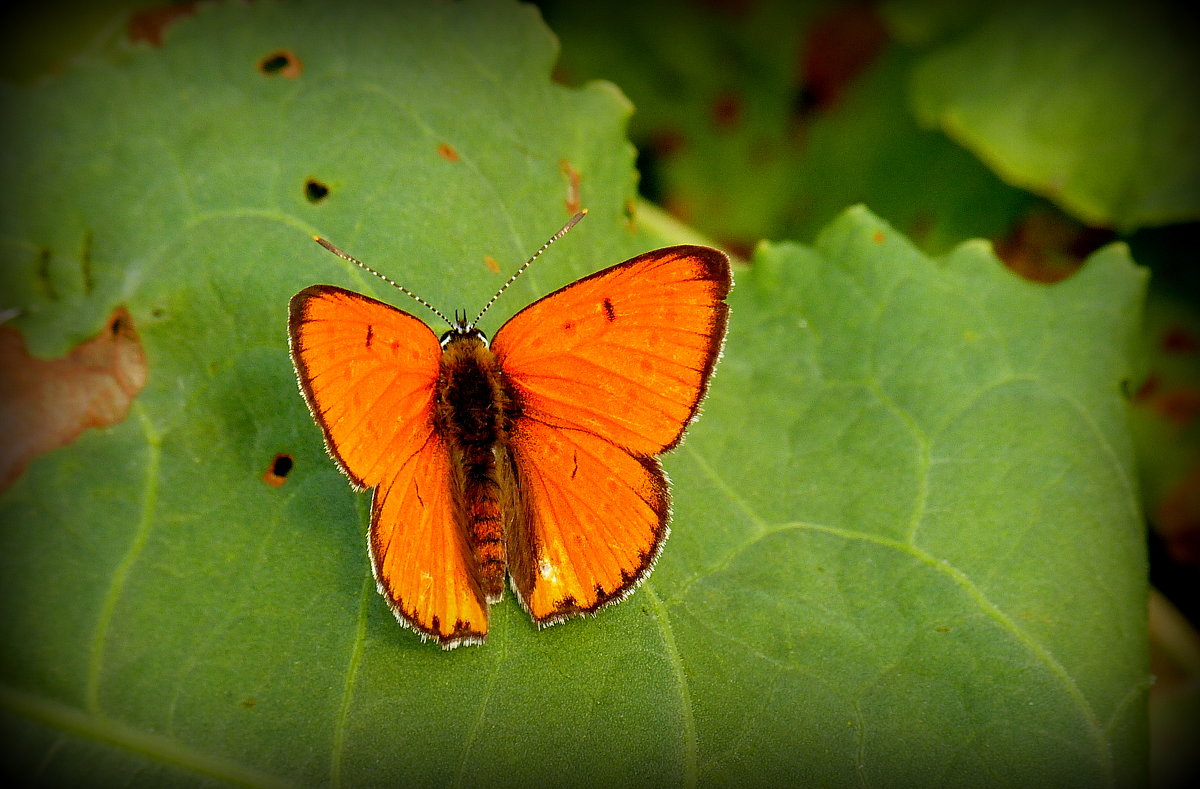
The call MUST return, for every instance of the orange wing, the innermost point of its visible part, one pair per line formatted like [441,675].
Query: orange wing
[368,372]
[606,374]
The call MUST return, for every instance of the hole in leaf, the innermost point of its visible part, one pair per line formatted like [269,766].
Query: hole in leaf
[276,473]
[282,63]
[315,191]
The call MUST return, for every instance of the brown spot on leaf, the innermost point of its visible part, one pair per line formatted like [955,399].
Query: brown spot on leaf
[1148,388]
[1177,339]
[46,404]
[491,263]
[281,63]
[278,469]
[447,152]
[878,237]
[150,24]
[1178,518]
[1179,404]
[727,110]
[629,214]
[667,142]
[573,201]
[1048,247]
[841,45]
[1176,403]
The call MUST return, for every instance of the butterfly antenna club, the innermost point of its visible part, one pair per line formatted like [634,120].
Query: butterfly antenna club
[562,232]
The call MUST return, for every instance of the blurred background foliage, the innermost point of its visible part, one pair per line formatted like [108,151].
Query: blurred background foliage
[1049,128]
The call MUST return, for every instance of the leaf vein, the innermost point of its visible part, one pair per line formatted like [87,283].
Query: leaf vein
[121,574]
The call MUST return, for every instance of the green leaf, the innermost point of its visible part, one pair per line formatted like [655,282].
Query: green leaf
[1088,104]
[870,149]
[944,545]
[905,543]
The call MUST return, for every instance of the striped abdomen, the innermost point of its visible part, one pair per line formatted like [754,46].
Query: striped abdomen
[471,415]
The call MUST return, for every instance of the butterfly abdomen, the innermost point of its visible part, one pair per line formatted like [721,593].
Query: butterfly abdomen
[471,414]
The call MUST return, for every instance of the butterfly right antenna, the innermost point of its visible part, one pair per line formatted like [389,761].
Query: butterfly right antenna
[570,224]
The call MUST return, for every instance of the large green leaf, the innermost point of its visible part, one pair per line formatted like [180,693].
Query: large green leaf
[1089,104]
[944,547]
[905,542]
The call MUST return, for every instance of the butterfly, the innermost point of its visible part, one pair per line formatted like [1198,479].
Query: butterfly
[534,456]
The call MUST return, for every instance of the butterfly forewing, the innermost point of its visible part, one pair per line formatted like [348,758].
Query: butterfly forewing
[606,374]
[369,373]
[626,353]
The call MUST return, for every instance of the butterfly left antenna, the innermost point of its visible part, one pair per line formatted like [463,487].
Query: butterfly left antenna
[570,224]
[383,277]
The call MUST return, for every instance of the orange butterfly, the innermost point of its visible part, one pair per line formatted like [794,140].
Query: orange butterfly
[535,457]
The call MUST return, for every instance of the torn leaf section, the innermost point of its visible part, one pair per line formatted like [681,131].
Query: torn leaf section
[46,404]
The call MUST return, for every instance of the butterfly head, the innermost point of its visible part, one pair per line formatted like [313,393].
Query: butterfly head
[462,329]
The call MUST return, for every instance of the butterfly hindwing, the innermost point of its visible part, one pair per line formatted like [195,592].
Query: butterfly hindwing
[594,521]
[369,373]
[419,552]
[605,374]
